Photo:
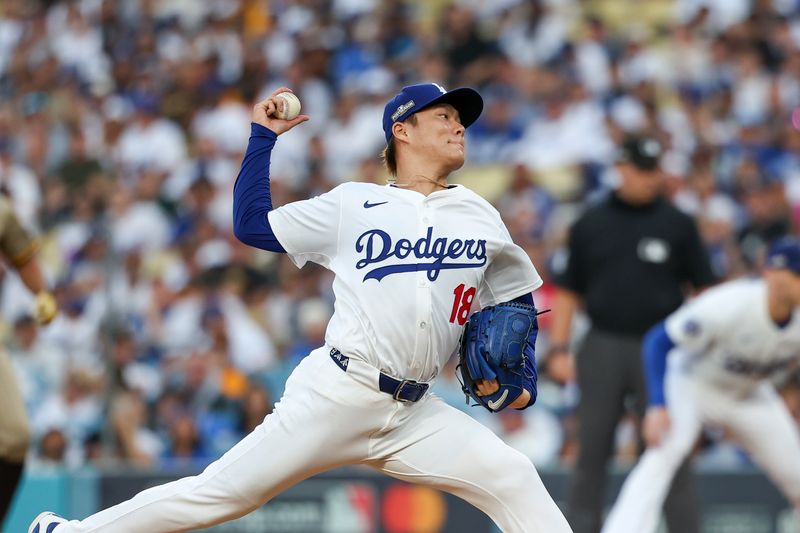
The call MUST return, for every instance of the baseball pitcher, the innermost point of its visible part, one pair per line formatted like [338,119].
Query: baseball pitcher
[410,259]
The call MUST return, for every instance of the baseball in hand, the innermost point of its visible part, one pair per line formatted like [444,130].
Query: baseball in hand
[288,106]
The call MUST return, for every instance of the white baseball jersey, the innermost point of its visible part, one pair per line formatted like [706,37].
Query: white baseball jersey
[729,338]
[384,244]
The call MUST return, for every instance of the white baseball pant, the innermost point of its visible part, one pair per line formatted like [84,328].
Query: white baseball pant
[760,422]
[328,418]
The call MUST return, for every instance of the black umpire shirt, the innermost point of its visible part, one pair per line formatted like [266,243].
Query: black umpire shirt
[631,264]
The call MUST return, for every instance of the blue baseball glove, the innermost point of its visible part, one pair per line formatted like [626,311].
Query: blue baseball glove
[493,347]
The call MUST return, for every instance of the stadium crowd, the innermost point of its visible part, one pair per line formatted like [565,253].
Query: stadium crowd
[122,126]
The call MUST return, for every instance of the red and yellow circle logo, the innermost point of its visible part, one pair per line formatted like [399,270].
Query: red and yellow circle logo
[413,509]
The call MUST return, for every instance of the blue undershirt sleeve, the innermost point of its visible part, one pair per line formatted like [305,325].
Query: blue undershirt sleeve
[655,347]
[251,196]
[531,372]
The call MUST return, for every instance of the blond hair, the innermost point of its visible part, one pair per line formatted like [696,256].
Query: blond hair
[389,154]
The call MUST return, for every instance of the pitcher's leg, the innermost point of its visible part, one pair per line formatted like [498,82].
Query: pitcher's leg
[308,432]
[221,492]
[444,448]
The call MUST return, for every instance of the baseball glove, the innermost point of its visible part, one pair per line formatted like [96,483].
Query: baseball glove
[493,347]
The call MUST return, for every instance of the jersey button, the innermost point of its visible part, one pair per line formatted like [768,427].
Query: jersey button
[422,325]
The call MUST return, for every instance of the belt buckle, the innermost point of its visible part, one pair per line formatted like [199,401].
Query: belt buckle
[399,389]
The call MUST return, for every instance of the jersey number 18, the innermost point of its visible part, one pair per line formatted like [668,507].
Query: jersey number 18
[462,304]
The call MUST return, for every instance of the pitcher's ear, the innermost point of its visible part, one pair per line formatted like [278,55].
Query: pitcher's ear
[400,131]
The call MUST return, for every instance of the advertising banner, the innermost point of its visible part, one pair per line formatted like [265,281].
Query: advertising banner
[355,500]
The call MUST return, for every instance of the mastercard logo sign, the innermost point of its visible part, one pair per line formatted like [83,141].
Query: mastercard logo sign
[413,509]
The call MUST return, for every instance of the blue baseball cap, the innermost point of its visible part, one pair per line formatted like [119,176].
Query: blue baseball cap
[784,253]
[413,98]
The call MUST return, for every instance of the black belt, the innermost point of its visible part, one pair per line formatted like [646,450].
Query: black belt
[402,390]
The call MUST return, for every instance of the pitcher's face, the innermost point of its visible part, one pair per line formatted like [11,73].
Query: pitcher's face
[439,134]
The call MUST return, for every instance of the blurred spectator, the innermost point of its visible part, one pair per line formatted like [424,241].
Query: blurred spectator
[40,365]
[80,167]
[569,133]
[129,371]
[593,57]
[717,214]
[767,217]
[137,223]
[223,124]
[493,136]
[52,448]
[20,185]
[526,207]
[257,405]
[137,443]
[313,315]
[185,449]
[76,329]
[351,136]
[75,410]
[466,50]
[534,34]
[150,142]
[77,44]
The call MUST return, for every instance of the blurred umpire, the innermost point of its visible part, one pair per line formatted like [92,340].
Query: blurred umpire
[18,250]
[631,259]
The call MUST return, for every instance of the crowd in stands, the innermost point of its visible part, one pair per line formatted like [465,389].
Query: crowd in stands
[123,124]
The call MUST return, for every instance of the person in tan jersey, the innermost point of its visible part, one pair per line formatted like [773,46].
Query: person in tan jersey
[18,250]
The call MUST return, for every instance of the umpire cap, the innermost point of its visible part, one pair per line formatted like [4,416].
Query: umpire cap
[413,98]
[642,151]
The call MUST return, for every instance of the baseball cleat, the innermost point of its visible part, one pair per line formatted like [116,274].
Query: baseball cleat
[46,522]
